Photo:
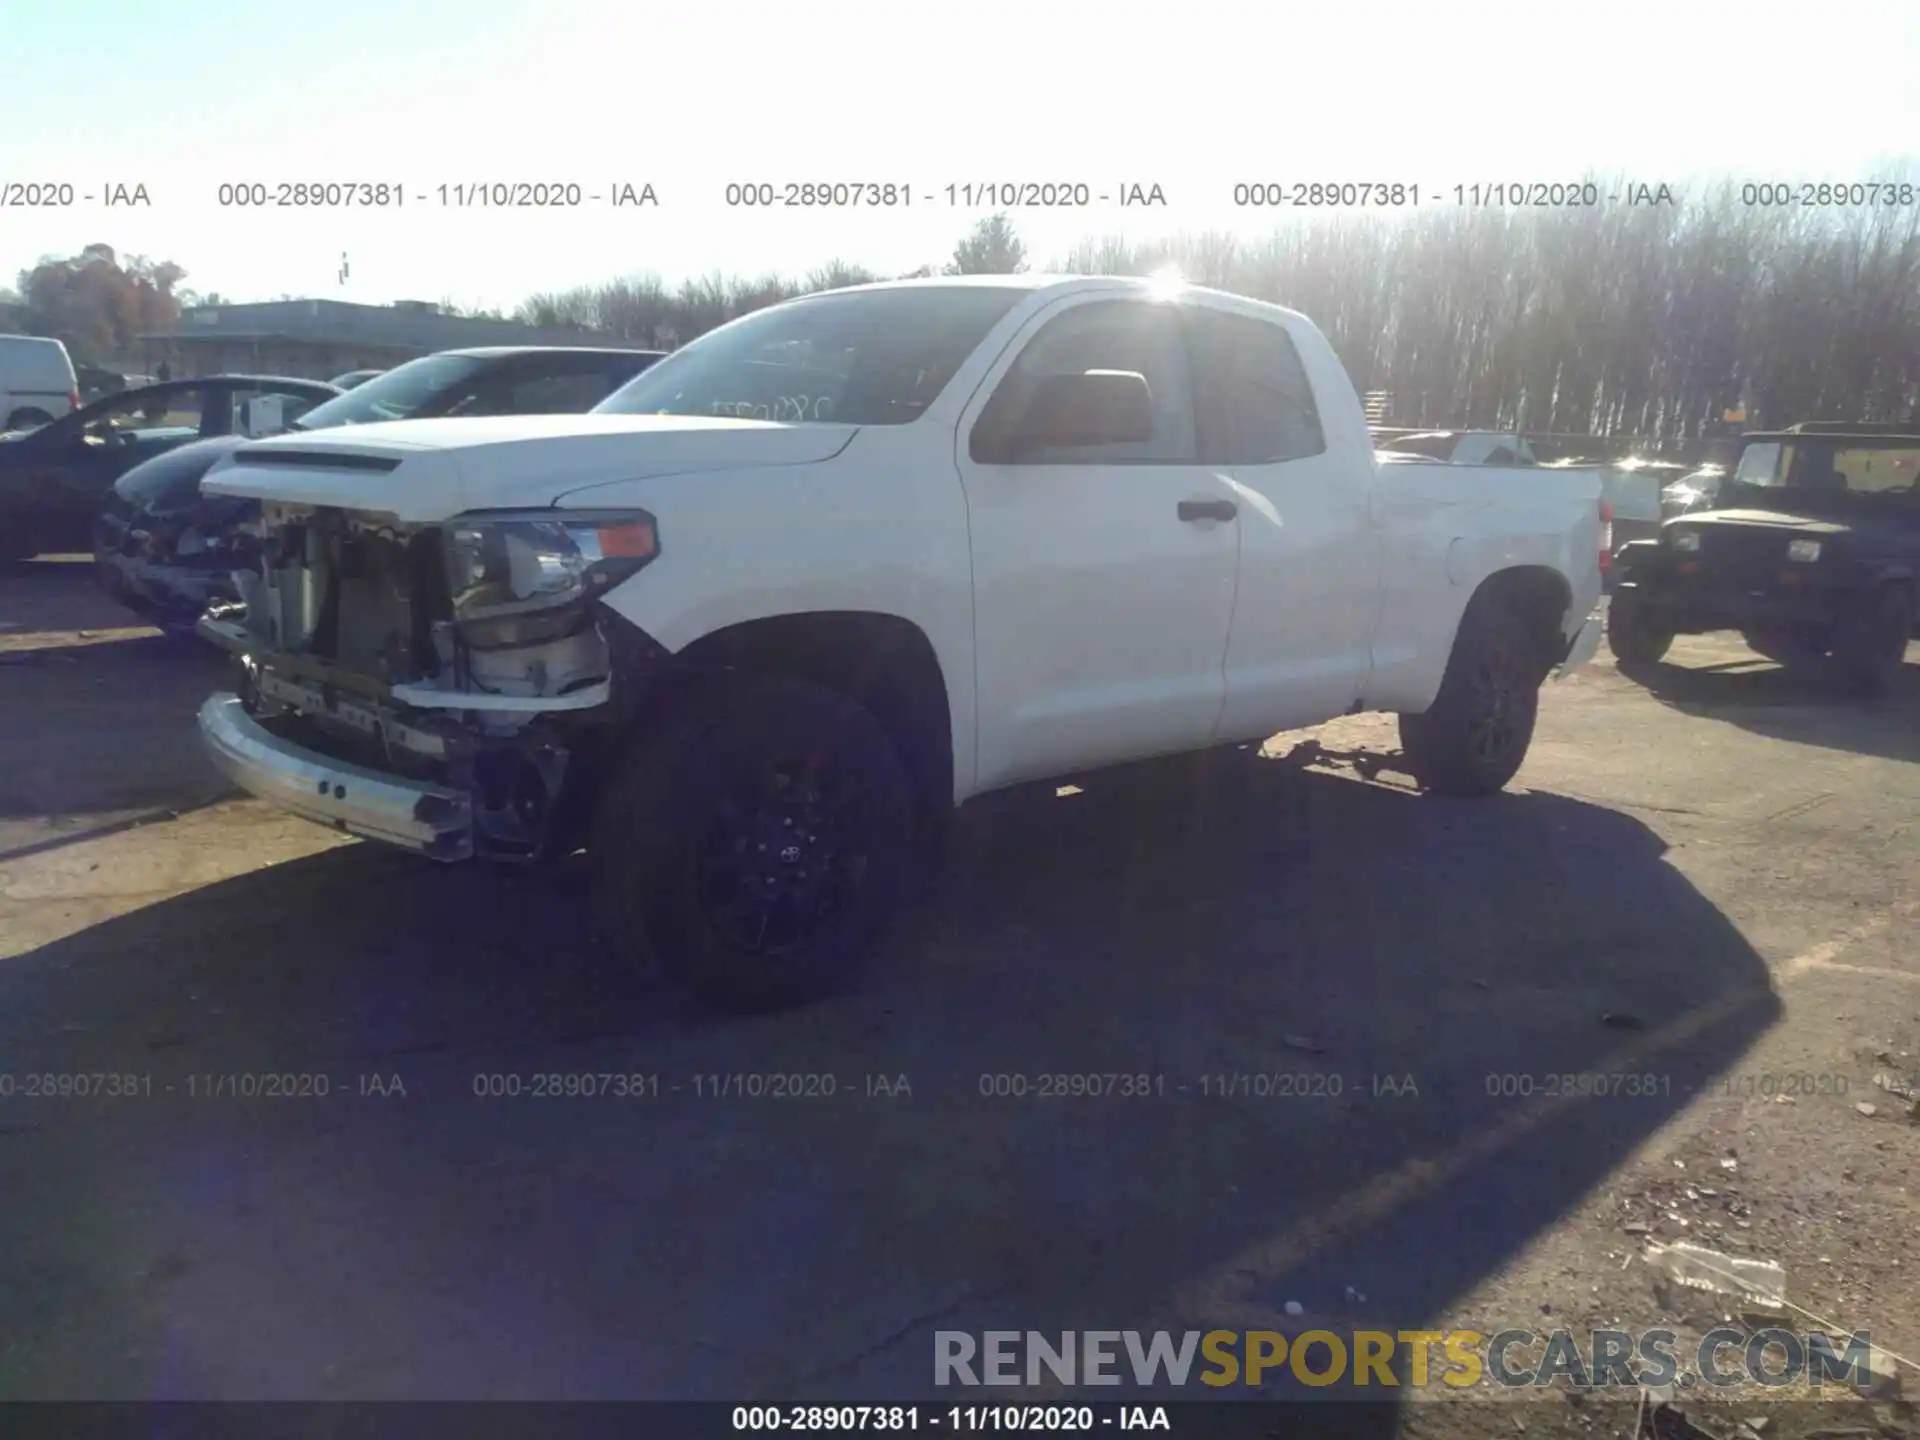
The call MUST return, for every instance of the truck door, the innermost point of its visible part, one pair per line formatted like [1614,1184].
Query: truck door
[1103,578]
[1309,572]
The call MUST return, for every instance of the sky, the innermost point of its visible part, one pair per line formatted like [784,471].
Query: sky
[1192,98]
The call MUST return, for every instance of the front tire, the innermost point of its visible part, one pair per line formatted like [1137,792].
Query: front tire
[1870,643]
[1634,636]
[756,842]
[1474,737]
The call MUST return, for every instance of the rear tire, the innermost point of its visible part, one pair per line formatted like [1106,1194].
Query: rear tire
[27,419]
[755,841]
[1474,737]
[1870,643]
[1633,635]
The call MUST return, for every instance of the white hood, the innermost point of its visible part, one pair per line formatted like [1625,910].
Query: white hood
[423,471]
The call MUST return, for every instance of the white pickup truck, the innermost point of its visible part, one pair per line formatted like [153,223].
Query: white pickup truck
[751,631]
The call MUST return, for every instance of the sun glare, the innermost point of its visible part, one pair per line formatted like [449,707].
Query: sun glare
[1167,282]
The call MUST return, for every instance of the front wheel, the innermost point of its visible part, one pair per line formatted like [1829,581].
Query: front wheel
[1634,635]
[756,842]
[1474,737]
[1870,642]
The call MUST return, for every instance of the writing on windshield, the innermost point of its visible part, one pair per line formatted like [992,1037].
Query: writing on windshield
[861,357]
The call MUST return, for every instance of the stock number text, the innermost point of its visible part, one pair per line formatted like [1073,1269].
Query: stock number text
[69,1085]
[818,194]
[1074,1086]
[1584,1084]
[1324,193]
[1815,193]
[311,194]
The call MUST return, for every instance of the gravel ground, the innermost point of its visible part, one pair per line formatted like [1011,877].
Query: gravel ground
[1706,876]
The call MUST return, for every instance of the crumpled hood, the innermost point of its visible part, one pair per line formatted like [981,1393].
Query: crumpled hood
[424,471]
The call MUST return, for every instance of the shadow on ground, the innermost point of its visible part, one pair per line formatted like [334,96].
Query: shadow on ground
[1188,923]
[1806,706]
[112,727]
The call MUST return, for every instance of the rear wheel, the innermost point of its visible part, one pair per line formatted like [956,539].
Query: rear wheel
[1474,737]
[1634,634]
[755,842]
[27,419]
[1870,643]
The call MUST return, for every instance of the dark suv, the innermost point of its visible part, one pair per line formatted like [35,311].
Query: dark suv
[499,380]
[164,550]
[1811,551]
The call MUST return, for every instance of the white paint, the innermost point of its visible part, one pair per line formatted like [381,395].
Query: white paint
[1077,621]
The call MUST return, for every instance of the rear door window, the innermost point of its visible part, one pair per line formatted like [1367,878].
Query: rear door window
[1252,400]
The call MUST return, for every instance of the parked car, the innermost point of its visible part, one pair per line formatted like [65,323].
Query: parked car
[1464,447]
[96,381]
[160,548]
[163,550]
[755,626]
[1810,551]
[1632,490]
[1696,490]
[53,480]
[354,377]
[37,382]
[498,380]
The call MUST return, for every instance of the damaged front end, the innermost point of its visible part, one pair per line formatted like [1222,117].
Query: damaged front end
[439,687]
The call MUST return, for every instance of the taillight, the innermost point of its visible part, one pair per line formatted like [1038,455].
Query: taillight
[73,401]
[1606,537]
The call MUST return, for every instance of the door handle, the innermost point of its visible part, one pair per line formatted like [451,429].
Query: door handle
[1208,509]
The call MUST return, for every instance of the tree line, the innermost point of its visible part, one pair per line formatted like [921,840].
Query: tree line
[96,302]
[1646,320]
[1649,320]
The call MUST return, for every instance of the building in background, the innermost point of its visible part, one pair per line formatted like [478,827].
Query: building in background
[318,339]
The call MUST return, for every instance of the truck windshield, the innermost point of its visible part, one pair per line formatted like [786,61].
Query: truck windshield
[397,394]
[860,357]
[1832,465]
[1759,465]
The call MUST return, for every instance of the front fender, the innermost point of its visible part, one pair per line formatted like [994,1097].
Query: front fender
[878,531]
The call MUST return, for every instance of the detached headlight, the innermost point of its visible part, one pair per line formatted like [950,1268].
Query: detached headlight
[1803,552]
[1685,541]
[519,578]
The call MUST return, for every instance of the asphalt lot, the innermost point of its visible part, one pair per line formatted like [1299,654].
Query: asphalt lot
[1708,876]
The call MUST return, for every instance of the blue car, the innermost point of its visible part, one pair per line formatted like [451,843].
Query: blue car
[166,552]
[53,480]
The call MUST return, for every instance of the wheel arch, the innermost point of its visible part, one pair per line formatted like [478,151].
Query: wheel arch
[1539,596]
[883,661]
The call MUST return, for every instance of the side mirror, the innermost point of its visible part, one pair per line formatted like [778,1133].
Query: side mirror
[1097,407]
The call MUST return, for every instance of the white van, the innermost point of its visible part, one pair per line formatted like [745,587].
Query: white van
[37,383]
